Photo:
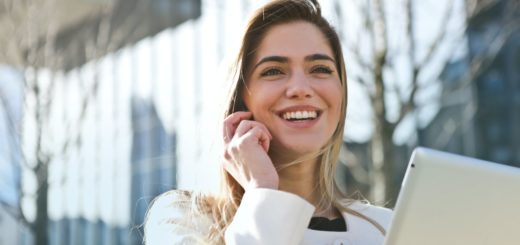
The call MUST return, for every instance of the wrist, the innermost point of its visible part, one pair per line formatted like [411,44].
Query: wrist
[266,184]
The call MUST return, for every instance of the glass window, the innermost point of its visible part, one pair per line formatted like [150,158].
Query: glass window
[493,81]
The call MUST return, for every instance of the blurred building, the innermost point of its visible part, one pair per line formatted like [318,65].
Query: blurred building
[479,114]
[153,161]
[481,117]
[11,103]
[150,73]
[111,55]
[498,88]
[130,149]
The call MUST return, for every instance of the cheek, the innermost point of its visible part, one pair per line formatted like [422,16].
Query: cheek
[333,97]
[257,106]
[332,94]
[250,101]
[261,98]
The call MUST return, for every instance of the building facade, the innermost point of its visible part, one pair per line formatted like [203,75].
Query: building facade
[480,117]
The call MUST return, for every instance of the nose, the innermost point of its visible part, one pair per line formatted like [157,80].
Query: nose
[299,86]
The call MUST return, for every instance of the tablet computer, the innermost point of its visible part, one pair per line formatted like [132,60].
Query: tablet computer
[455,200]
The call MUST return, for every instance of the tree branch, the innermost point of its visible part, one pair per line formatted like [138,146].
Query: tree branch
[348,159]
[380,38]
[480,63]
[379,44]
[355,48]
[475,7]
[451,126]
[443,30]
[16,213]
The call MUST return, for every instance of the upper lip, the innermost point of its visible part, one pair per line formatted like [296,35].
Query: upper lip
[298,108]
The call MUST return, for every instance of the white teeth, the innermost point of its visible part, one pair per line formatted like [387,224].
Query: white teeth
[299,115]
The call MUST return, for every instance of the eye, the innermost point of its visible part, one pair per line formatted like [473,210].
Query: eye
[271,72]
[321,69]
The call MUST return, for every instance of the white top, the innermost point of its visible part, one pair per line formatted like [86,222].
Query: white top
[265,216]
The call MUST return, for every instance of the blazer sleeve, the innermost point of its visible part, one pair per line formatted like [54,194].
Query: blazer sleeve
[170,220]
[267,216]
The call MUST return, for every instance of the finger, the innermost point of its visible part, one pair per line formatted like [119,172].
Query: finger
[243,127]
[246,125]
[259,135]
[268,133]
[264,140]
[231,123]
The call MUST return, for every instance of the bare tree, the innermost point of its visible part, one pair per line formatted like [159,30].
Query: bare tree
[35,39]
[390,85]
[29,33]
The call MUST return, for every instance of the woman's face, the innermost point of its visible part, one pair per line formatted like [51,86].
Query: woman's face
[294,89]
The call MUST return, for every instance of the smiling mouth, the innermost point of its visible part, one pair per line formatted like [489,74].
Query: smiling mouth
[300,115]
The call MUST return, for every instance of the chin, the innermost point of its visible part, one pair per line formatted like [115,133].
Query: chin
[301,148]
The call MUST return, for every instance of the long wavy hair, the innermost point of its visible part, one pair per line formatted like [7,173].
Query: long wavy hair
[222,208]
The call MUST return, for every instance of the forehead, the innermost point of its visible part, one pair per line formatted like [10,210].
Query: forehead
[293,40]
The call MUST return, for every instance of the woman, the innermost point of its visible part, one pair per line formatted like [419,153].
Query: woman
[282,134]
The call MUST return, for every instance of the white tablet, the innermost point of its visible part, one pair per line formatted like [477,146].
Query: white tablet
[454,200]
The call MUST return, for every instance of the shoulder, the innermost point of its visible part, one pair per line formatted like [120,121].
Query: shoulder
[175,216]
[169,207]
[381,215]
[173,200]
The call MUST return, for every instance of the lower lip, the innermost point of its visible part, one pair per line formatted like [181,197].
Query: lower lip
[301,124]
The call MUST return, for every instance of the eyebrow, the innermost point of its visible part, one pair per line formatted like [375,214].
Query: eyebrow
[279,59]
[314,57]
[283,59]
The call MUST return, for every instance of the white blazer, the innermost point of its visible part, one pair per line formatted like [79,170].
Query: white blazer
[265,216]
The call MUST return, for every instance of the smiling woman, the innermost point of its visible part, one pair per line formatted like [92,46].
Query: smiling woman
[295,90]
[282,133]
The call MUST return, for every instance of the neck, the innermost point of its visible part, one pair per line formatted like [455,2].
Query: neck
[301,179]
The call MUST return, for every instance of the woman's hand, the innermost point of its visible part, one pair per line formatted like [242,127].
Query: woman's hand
[246,143]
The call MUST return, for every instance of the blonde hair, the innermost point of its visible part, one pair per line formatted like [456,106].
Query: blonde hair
[222,208]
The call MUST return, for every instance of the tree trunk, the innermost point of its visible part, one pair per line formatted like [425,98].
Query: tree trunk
[383,162]
[40,228]
[382,134]
[377,177]
[377,145]
[40,225]
[389,165]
